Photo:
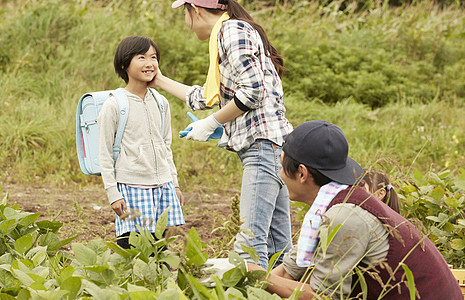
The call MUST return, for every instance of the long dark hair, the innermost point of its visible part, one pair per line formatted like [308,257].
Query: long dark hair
[236,11]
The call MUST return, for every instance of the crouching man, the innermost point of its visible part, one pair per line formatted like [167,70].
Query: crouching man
[370,237]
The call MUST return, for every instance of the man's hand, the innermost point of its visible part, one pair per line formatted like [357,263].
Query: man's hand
[119,207]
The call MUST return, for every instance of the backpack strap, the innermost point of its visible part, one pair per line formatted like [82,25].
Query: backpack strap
[123,106]
[161,107]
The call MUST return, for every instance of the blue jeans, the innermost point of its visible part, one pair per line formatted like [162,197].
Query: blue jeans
[264,206]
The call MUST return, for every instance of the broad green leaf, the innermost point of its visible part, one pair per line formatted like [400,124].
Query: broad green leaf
[172,260]
[169,294]
[449,227]
[23,277]
[461,222]
[62,243]
[49,240]
[108,276]
[41,271]
[29,219]
[418,176]
[72,285]
[36,278]
[433,218]
[409,189]
[161,224]
[194,249]
[437,194]
[84,255]
[97,269]
[233,293]
[140,269]
[7,280]
[37,286]
[256,293]
[457,244]
[37,255]
[219,287]
[141,244]
[200,291]
[5,296]
[410,280]
[6,258]
[23,244]
[117,249]
[251,251]
[66,273]
[11,213]
[460,179]
[7,226]
[49,226]
[272,261]
[143,295]
[232,277]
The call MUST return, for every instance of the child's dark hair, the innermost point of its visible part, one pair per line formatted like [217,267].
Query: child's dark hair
[127,49]
[377,180]
[236,11]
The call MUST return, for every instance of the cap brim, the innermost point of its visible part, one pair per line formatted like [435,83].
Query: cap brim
[178,3]
[347,175]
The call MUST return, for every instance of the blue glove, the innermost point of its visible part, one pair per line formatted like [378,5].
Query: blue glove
[217,132]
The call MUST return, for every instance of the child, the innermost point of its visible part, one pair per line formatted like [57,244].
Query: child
[143,180]
[378,184]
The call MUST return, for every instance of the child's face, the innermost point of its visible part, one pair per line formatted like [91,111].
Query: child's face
[143,67]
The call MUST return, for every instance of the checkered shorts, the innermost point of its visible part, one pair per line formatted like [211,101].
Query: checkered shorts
[145,207]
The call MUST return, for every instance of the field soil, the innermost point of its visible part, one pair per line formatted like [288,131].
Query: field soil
[85,211]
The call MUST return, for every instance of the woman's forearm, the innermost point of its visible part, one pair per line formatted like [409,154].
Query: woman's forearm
[171,86]
[228,112]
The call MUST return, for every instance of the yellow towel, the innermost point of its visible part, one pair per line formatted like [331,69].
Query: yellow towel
[212,87]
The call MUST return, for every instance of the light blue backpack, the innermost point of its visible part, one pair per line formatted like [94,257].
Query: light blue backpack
[87,112]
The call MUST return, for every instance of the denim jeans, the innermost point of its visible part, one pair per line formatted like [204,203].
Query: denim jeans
[264,206]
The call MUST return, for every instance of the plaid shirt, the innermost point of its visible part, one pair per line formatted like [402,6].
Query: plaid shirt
[250,76]
[308,239]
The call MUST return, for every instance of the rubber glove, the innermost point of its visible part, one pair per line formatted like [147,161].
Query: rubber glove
[202,130]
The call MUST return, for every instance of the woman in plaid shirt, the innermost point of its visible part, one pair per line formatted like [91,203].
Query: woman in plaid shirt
[248,89]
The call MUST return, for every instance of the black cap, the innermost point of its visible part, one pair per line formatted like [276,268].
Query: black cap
[323,146]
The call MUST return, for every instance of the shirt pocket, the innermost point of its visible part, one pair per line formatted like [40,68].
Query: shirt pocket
[144,160]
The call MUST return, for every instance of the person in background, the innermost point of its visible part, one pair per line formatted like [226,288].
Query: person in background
[375,182]
[366,233]
[378,183]
[143,180]
[244,81]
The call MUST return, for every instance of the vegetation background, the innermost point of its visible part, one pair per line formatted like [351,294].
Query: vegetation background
[391,74]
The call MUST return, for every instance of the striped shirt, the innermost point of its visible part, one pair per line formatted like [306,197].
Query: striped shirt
[247,76]
[308,239]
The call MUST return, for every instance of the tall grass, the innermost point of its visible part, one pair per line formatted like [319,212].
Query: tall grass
[391,78]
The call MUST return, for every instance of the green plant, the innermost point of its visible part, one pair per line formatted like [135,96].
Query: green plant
[436,203]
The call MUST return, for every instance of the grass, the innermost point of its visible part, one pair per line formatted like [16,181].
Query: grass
[391,78]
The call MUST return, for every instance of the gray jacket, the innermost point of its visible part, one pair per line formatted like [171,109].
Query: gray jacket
[146,157]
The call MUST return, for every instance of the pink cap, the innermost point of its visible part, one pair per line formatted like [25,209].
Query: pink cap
[201,3]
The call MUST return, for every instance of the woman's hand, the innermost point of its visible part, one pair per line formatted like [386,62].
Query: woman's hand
[180,196]
[119,207]
[156,79]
